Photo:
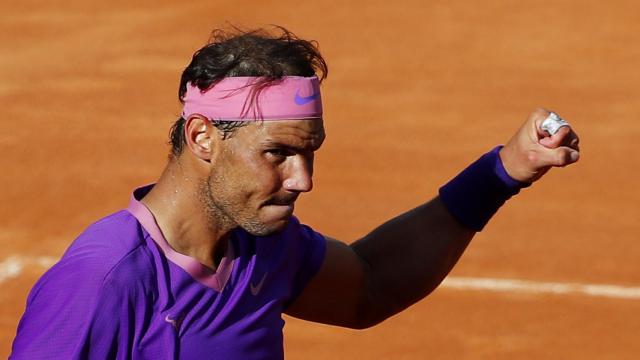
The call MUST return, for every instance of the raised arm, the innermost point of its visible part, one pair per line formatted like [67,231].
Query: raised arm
[404,259]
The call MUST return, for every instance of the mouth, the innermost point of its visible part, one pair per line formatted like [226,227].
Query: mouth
[282,200]
[282,210]
[281,207]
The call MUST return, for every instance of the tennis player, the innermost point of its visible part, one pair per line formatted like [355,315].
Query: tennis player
[203,263]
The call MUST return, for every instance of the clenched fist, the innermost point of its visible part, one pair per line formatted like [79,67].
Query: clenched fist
[531,152]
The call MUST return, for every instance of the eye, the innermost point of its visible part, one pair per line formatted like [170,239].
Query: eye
[278,153]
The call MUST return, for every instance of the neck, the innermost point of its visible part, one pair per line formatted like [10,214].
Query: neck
[188,229]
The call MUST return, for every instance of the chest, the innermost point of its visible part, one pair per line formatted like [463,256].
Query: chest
[243,320]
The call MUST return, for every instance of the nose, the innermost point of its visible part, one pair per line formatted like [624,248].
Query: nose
[300,175]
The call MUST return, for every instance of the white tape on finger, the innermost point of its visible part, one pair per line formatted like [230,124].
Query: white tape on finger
[553,123]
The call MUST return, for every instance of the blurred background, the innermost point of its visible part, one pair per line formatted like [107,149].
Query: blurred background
[416,91]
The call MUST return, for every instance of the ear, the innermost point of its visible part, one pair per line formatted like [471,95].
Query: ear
[201,137]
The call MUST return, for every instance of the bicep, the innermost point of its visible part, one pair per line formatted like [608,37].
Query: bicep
[334,295]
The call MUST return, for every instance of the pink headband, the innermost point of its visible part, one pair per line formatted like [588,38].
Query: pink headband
[293,97]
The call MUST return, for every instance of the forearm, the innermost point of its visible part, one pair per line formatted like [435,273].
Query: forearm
[407,257]
[404,259]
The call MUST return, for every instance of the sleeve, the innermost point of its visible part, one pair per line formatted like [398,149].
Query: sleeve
[311,249]
[76,312]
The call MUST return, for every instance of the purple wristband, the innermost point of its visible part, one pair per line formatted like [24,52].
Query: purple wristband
[479,191]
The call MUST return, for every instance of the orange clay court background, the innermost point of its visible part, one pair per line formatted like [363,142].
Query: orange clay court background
[416,91]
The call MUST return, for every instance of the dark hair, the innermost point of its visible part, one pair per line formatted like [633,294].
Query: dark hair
[237,52]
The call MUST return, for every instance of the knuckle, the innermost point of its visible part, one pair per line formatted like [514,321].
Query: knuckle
[576,140]
[540,112]
[563,158]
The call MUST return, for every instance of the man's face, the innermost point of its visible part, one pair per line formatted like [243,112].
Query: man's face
[259,173]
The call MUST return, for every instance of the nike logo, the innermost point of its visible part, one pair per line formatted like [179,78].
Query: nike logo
[255,289]
[175,322]
[301,100]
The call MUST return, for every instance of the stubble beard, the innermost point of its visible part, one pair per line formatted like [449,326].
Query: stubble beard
[222,212]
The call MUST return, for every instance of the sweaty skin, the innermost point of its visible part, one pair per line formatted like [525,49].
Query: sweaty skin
[259,174]
[251,179]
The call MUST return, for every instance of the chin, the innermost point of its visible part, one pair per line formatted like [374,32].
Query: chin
[266,228]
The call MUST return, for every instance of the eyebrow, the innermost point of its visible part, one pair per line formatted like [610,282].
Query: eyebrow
[278,144]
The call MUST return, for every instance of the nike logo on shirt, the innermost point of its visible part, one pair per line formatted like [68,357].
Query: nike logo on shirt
[175,322]
[255,289]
